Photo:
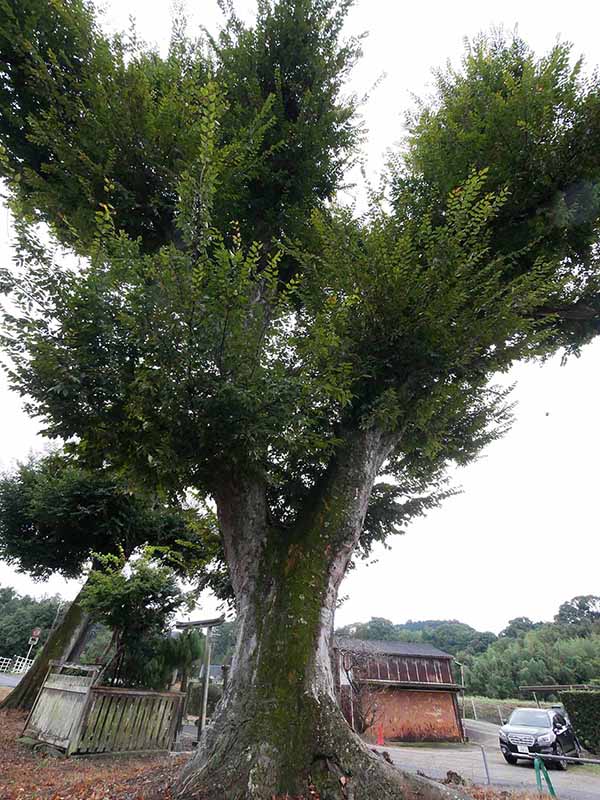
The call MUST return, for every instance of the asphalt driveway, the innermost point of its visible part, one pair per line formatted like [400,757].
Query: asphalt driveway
[577,783]
[9,679]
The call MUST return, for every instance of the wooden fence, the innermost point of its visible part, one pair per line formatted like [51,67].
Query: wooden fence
[128,721]
[73,714]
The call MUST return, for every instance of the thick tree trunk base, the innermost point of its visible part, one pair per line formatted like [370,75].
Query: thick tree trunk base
[279,732]
[233,764]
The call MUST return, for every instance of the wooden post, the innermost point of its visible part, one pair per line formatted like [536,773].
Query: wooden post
[202,720]
[208,624]
[474,709]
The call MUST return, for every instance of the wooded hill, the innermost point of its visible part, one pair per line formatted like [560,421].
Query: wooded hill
[19,615]
[566,650]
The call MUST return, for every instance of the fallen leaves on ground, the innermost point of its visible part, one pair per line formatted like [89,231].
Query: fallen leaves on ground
[25,775]
[487,793]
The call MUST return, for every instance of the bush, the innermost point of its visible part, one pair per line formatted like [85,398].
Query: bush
[195,690]
[583,708]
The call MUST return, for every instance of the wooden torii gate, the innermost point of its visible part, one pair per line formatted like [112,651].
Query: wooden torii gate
[209,624]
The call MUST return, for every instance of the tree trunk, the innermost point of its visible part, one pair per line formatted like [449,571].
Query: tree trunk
[65,643]
[278,732]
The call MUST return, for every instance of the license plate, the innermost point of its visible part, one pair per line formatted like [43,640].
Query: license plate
[522,748]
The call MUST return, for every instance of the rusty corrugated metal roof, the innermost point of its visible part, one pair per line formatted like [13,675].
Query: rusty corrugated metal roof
[374,646]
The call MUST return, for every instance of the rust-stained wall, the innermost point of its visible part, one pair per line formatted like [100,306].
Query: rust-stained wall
[413,716]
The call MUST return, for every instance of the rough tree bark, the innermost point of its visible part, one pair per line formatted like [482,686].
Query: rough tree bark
[278,731]
[64,643]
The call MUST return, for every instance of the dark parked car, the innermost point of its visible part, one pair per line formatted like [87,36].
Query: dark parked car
[538,731]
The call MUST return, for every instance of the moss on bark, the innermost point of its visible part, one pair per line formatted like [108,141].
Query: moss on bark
[279,731]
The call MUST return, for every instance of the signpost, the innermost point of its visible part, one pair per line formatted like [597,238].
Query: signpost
[33,640]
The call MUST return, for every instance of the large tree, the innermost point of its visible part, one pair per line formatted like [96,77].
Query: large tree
[56,517]
[581,609]
[231,330]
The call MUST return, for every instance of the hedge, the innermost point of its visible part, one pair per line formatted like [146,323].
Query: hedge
[583,708]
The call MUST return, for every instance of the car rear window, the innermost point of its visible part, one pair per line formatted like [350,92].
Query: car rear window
[531,717]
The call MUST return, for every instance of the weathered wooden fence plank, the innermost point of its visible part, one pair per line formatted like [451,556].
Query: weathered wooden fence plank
[73,714]
[129,721]
[60,702]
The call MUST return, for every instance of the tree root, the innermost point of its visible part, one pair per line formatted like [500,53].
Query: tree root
[234,766]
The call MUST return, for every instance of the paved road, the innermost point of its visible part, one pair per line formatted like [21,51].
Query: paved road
[577,783]
[8,679]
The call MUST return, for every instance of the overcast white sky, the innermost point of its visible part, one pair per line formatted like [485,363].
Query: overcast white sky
[523,536]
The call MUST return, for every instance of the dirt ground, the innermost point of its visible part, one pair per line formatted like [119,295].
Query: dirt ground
[4,692]
[25,775]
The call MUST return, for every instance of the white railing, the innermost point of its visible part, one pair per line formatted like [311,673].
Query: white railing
[21,664]
[5,664]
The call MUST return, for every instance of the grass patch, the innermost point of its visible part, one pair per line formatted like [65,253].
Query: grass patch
[590,769]
[508,701]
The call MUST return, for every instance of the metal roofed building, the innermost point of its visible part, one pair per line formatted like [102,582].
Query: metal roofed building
[404,691]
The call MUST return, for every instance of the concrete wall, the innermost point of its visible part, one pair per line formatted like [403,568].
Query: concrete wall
[412,716]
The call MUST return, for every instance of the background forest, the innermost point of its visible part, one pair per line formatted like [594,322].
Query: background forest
[564,651]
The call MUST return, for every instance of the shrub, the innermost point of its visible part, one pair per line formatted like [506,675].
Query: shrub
[195,690]
[583,708]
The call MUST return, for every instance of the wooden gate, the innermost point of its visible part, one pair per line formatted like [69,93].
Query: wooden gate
[59,706]
[82,719]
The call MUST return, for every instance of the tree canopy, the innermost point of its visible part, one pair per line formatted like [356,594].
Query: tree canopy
[55,513]
[450,635]
[581,609]
[566,651]
[138,603]
[232,329]
[177,357]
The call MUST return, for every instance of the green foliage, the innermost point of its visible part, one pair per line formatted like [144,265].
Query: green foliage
[223,638]
[187,651]
[97,646]
[55,513]
[545,654]
[533,125]
[451,636]
[138,601]
[518,626]
[195,698]
[583,709]
[91,121]
[226,320]
[581,609]
[19,615]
